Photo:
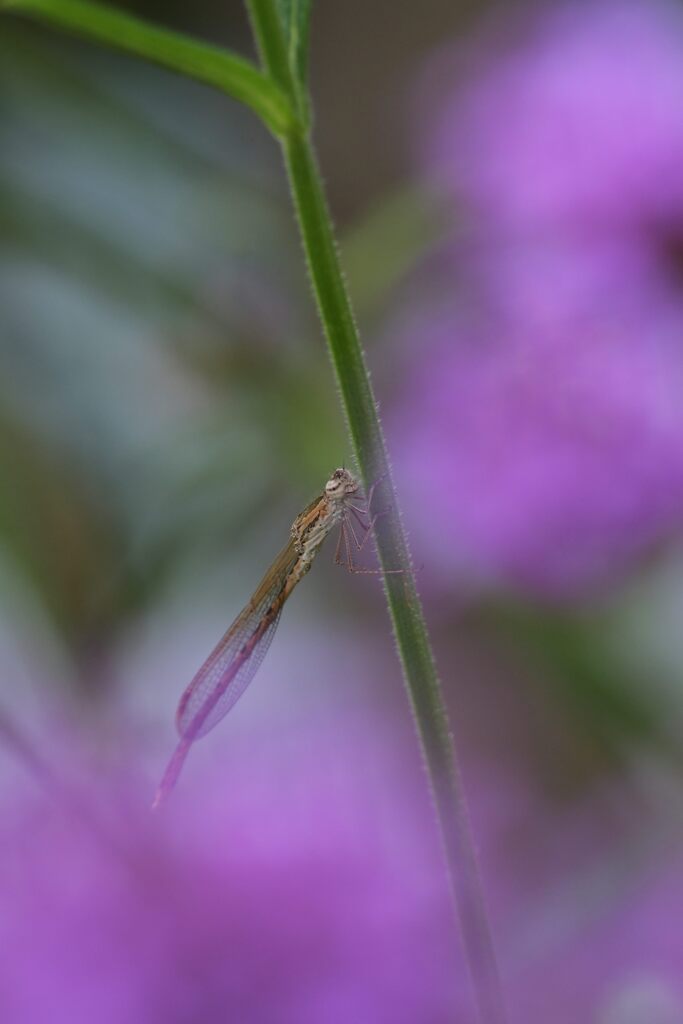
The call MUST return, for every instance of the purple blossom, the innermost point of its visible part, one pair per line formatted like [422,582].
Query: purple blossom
[315,893]
[540,435]
[256,896]
[545,460]
[572,118]
[586,897]
[619,963]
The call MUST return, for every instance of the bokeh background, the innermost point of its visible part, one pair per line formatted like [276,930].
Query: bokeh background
[508,187]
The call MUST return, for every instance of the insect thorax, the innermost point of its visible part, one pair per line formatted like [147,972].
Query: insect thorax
[311,532]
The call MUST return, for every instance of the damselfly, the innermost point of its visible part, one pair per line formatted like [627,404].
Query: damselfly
[231,666]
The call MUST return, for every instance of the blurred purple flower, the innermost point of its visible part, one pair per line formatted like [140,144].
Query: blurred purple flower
[618,961]
[575,118]
[586,898]
[540,437]
[546,460]
[264,898]
[315,894]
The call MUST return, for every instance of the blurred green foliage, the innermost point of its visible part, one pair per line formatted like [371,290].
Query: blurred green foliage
[161,386]
[163,390]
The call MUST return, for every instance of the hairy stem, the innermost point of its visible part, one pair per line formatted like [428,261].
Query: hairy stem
[365,429]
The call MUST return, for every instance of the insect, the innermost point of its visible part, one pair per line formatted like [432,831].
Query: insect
[233,663]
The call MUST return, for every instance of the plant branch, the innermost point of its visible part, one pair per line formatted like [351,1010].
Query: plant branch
[419,670]
[209,64]
[365,429]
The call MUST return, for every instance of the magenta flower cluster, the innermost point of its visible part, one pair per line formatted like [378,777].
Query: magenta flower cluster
[314,895]
[256,896]
[539,437]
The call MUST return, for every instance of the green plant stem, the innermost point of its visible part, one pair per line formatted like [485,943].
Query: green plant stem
[370,450]
[210,64]
[419,670]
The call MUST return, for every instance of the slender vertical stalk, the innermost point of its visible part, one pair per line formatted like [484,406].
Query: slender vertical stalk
[365,429]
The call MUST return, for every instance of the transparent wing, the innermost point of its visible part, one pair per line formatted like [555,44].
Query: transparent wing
[233,663]
[231,666]
[224,677]
[220,682]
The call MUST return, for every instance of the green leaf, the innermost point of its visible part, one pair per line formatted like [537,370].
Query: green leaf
[210,64]
[296,17]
